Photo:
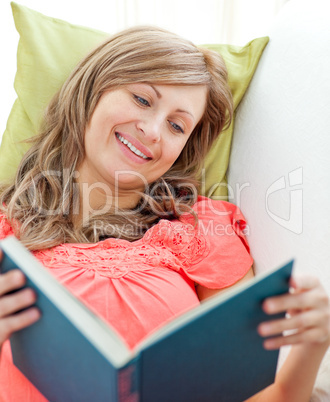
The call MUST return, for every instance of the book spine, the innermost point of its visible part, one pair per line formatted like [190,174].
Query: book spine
[128,382]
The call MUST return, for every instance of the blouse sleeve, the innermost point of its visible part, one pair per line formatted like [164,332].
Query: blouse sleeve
[228,257]
[5,227]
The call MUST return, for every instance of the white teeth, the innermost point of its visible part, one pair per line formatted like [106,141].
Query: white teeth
[130,146]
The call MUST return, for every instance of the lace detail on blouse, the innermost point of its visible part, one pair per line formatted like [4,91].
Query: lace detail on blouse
[184,241]
[170,245]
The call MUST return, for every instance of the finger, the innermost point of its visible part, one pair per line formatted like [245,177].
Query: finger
[17,322]
[308,319]
[292,312]
[304,282]
[314,298]
[11,280]
[16,301]
[312,336]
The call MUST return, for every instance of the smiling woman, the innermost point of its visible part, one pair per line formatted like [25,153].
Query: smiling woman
[170,106]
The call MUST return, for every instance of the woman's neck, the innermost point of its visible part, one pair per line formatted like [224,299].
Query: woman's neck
[96,201]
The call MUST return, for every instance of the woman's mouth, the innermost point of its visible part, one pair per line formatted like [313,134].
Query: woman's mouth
[132,147]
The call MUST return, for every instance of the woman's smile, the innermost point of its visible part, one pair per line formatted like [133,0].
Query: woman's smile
[133,148]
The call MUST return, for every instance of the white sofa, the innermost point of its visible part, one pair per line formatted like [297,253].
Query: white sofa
[279,171]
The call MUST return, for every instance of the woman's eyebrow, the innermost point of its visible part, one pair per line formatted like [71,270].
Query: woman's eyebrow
[185,111]
[159,95]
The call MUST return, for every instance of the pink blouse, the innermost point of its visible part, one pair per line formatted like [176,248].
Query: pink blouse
[138,286]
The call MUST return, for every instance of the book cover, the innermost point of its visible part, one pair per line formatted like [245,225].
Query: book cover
[211,353]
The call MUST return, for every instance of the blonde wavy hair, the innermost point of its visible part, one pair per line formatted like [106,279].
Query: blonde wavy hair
[43,199]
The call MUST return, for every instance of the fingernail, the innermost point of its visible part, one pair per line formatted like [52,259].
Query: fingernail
[19,278]
[34,314]
[269,344]
[263,329]
[30,295]
[269,306]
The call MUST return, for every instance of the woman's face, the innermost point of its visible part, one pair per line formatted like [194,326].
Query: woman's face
[137,132]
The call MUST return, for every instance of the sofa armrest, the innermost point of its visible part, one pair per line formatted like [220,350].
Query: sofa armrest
[279,171]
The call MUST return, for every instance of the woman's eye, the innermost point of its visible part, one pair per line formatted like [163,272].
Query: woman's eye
[176,127]
[142,101]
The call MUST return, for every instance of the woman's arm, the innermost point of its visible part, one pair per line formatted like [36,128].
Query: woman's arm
[306,327]
[295,380]
[204,293]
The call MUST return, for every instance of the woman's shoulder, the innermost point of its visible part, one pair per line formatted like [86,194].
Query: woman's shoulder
[218,218]
[207,208]
[221,228]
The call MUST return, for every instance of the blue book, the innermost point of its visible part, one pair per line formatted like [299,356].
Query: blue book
[211,353]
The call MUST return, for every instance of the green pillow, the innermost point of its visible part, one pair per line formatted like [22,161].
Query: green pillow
[48,50]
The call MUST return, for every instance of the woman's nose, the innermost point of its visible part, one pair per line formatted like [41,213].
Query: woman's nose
[151,129]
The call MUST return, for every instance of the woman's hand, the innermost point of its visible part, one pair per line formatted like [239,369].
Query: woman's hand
[11,318]
[307,319]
